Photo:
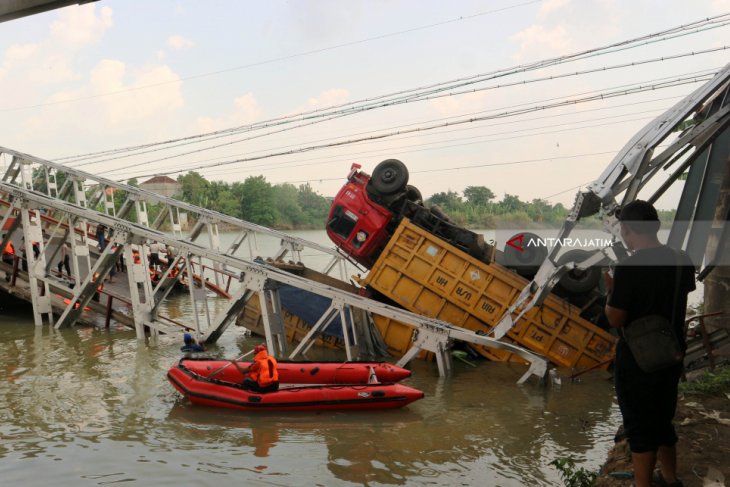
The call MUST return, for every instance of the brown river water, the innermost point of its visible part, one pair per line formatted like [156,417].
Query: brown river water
[90,406]
[85,406]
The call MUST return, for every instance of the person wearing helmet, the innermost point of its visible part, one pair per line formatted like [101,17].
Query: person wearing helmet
[262,373]
[191,345]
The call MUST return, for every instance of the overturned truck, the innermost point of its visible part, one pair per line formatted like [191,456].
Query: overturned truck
[422,261]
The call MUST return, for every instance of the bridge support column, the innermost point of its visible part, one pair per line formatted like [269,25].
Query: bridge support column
[140,287]
[273,321]
[434,340]
[39,290]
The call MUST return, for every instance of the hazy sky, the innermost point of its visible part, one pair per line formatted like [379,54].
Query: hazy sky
[119,73]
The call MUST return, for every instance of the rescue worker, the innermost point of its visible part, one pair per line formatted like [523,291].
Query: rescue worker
[9,253]
[191,345]
[8,256]
[262,373]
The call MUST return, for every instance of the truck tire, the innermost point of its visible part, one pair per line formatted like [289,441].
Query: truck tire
[413,194]
[389,177]
[578,282]
[527,261]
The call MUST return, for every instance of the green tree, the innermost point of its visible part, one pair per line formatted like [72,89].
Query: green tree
[257,201]
[194,189]
[448,201]
[315,206]
[511,203]
[289,213]
[478,195]
[227,202]
[539,210]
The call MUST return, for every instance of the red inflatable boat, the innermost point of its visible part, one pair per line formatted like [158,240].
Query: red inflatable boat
[212,391]
[303,372]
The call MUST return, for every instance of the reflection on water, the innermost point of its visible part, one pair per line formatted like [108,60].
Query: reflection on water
[84,406]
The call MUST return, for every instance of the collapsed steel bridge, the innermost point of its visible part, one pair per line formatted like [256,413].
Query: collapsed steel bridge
[52,215]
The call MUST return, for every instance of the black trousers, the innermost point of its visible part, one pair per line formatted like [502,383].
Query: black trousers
[251,385]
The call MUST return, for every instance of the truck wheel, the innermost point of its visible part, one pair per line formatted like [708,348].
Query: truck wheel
[525,259]
[413,194]
[389,177]
[575,281]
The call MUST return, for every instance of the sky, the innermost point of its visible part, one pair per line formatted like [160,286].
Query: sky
[119,73]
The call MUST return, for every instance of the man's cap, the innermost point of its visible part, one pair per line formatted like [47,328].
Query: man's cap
[259,348]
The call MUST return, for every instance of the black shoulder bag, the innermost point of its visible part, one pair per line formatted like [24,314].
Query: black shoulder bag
[652,339]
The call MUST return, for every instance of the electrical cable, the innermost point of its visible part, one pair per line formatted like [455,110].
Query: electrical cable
[601,96]
[274,60]
[670,33]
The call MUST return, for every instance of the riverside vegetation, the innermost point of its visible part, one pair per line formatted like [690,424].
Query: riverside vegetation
[289,207]
[285,206]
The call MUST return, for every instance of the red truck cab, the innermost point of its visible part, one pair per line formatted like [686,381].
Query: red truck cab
[356,224]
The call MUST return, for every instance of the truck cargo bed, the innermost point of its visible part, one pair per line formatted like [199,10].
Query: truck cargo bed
[426,275]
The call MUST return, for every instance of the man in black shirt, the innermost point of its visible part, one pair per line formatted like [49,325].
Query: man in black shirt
[655,280]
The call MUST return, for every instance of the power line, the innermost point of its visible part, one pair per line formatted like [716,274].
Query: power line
[516,133]
[416,94]
[476,166]
[460,129]
[577,73]
[275,60]
[601,96]
[566,190]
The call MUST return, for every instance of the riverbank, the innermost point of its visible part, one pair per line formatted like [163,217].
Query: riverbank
[703,426]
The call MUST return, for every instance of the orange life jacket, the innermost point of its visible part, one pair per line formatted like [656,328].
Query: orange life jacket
[9,249]
[263,370]
[135,257]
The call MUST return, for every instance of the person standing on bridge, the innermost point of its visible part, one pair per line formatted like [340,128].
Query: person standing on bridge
[64,260]
[8,256]
[655,280]
[155,248]
[262,373]
[8,252]
[101,236]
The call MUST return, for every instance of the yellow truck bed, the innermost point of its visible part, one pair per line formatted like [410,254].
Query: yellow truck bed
[426,275]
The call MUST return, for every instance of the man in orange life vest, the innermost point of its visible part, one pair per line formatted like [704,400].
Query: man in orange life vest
[262,373]
[9,252]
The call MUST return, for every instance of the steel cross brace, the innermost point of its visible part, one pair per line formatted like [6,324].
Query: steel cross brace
[432,339]
[337,308]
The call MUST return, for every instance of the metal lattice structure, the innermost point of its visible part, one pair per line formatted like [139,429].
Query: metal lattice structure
[695,133]
[52,216]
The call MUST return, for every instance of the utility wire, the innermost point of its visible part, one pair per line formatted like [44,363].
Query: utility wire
[713,22]
[601,96]
[528,132]
[275,60]
[475,166]
[524,82]
[411,124]
[460,129]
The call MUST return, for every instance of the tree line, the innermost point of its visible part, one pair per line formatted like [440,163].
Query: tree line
[287,207]
[282,206]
